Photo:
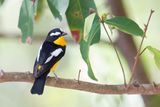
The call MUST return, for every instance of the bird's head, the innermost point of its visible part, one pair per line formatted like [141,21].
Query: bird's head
[56,36]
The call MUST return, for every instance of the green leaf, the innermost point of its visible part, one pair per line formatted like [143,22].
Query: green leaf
[27,13]
[84,48]
[93,37]
[1,2]
[52,5]
[40,8]
[125,25]
[76,13]
[94,34]
[156,54]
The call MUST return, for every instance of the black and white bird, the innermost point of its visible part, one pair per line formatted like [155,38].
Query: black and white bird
[50,52]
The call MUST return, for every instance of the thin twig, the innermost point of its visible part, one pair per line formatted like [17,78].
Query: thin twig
[124,77]
[145,89]
[139,50]
[79,74]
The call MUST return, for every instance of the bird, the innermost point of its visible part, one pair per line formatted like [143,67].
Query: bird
[50,52]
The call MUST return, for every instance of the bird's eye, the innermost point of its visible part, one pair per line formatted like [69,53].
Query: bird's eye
[55,33]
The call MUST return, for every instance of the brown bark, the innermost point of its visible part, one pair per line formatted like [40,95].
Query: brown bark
[146,89]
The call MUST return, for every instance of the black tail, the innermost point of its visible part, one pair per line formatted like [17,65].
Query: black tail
[38,85]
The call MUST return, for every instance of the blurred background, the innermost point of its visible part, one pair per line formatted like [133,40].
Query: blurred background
[19,57]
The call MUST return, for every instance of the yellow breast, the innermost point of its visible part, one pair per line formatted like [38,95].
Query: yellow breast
[54,67]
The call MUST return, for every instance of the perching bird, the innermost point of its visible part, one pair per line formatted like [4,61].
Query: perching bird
[50,52]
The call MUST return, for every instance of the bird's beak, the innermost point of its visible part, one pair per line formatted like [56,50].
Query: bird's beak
[64,33]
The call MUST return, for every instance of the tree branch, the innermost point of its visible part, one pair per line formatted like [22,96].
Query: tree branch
[145,89]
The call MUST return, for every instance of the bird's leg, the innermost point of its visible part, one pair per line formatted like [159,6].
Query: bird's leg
[79,73]
[56,77]
[1,73]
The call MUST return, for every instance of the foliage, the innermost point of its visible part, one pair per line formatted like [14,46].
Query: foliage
[156,54]
[26,16]
[125,25]
[93,37]
[1,2]
[76,13]
[52,5]
[40,9]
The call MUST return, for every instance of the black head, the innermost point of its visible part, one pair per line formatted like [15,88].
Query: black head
[54,34]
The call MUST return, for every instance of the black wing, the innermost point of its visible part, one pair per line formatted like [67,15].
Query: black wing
[48,55]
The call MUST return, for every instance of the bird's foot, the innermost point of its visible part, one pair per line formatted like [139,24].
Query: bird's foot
[55,76]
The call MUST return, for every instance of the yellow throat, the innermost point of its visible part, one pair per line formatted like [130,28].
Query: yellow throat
[60,41]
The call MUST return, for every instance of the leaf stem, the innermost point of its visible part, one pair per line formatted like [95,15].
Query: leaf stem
[139,50]
[124,77]
[142,51]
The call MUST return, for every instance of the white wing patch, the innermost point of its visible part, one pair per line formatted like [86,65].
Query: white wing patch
[54,53]
[39,53]
[55,33]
